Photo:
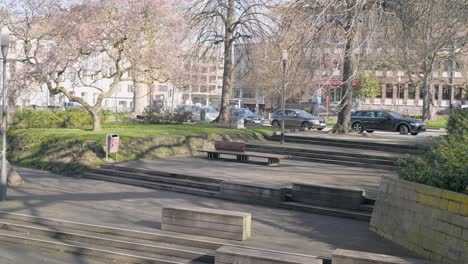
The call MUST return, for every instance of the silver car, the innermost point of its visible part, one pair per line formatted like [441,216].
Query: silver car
[298,118]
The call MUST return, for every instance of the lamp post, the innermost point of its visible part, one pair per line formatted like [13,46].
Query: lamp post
[285,61]
[5,44]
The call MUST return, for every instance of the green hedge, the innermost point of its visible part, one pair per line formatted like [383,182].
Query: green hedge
[446,164]
[73,118]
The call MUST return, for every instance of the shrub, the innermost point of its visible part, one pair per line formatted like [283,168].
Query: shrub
[445,165]
[29,118]
[457,123]
[156,115]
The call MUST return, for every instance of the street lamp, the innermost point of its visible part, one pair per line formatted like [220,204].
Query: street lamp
[5,44]
[285,61]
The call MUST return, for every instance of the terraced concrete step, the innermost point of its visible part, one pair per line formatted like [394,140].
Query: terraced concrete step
[153,185]
[73,247]
[357,215]
[346,163]
[325,155]
[161,179]
[160,173]
[112,242]
[110,232]
[351,144]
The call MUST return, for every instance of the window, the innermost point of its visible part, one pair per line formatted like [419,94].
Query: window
[123,103]
[436,92]
[389,91]
[83,95]
[380,114]
[369,114]
[411,91]
[163,88]
[458,93]
[130,88]
[401,91]
[446,92]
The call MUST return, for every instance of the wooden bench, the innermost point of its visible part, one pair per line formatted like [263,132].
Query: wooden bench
[238,149]
[207,222]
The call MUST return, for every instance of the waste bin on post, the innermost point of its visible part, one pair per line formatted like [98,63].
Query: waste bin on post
[112,145]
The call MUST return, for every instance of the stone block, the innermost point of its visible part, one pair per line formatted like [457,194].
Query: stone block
[453,207]
[429,200]
[207,222]
[457,197]
[464,210]
[443,204]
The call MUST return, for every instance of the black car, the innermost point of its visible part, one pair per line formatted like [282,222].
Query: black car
[370,120]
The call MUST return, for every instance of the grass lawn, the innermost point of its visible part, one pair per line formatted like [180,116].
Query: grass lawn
[439,122]
[136,131]
[331,122]
[74,151]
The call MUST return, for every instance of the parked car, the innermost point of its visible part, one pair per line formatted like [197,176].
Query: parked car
[210,114]
[370,120]
[298,118]
[249,116]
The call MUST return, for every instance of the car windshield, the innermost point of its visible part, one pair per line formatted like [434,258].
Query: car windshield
[394,115]
[210,110]
[304,114]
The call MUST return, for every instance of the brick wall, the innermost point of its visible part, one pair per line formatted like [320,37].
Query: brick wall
[428,221]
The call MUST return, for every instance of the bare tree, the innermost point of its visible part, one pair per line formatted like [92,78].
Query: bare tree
[341,22]
[425,34]
[229,22]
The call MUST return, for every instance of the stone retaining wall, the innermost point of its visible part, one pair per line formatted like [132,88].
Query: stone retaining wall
[428,221]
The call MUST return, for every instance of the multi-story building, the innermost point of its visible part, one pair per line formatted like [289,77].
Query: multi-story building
[203,80]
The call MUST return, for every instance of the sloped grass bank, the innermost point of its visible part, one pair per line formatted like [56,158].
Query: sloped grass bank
[74,151]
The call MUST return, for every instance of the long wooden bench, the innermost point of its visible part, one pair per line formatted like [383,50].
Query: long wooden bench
[238,149]
[207,222]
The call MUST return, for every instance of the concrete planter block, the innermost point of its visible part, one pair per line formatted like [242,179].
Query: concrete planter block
[207,222]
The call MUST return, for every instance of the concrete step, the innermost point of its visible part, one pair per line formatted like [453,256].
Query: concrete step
[357,215]
[160,179]
[347,163]
[107,231]
[331,156]
[332,151]
[63,245]
[161,173]
[112,242]
[351,144]
[153,185]
[366,208]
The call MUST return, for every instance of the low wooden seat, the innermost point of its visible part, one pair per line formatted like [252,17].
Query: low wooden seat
[238,149]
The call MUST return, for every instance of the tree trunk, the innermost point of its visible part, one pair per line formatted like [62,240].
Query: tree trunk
[140,95]
[227,73]
[96,120]
[344,115]
[427,94]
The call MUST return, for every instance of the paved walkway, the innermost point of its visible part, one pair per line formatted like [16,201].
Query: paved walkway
[288,172]
[97,202]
